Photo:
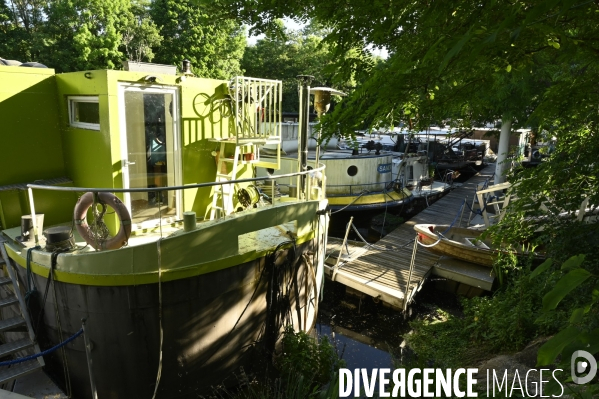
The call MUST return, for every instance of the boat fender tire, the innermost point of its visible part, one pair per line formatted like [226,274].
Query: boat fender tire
[80,215]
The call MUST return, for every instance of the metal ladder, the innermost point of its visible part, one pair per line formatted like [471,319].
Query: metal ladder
[15,297]
[225,192]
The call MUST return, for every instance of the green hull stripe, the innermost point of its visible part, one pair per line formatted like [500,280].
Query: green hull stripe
[147,278]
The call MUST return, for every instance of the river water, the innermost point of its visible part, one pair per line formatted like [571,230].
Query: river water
[368,335]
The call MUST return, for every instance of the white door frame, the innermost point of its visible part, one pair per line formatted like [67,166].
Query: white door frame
[153,89]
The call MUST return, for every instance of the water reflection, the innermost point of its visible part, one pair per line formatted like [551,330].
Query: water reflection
[355,353]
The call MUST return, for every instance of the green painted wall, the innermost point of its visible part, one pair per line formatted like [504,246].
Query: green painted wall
[93,158]
[30,127]
[34,111]
[30,131]
[86,152]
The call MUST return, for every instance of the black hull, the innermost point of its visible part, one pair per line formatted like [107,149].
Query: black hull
[208,333]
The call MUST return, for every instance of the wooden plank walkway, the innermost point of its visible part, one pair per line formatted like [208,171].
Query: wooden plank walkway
[382,270]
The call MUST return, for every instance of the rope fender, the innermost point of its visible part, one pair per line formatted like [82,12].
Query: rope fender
[44,353]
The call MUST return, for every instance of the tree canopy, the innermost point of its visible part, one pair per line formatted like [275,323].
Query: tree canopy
[535,62]
[214,47]
[532,62]
[290,54]
[72,35]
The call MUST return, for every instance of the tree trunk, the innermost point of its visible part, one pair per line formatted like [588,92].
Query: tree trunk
[504,142]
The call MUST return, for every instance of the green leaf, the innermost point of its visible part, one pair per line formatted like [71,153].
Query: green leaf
[577,315]
[573,263]
[541,268]
[566,5]
[508,68]
[566,284]
[590,340]
[550,349]
[515,33]
[455,50]
[595,293]
[538,11]
[430,51]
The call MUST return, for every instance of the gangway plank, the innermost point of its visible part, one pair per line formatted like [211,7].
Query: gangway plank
[382,270]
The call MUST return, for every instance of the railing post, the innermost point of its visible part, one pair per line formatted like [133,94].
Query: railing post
[412,262]
[33,218]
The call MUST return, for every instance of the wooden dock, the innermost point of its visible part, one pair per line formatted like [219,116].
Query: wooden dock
[382,270]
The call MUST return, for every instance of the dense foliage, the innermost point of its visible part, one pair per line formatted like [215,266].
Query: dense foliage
[214,47]
[290,54]
[74,35]
[307,369]
[534,63]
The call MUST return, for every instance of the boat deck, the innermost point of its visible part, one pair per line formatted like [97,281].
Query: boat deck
[382,270]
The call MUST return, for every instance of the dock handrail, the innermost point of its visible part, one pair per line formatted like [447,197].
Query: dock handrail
[412,265]
[351,219]
[272,178]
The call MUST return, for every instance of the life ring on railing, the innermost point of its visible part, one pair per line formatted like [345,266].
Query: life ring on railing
[80,216]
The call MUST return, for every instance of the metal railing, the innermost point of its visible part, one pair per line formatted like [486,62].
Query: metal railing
[256,107]
[313,179]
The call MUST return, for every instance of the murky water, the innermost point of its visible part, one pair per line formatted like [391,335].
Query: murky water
[368,335]
[355,353]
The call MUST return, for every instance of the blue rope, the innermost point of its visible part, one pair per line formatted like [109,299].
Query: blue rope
[454,219]
[44,353]
[482,209]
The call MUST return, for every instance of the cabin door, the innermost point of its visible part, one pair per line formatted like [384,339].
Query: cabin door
[150,152]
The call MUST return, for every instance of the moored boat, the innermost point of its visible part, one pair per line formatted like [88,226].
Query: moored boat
[193,270]
[460,243]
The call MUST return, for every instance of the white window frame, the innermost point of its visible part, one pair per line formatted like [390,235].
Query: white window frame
[72,100]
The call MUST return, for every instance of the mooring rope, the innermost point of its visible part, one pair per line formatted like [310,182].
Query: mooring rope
[159,257]
[429,245]
[31,288]
[357,198]
[366,242]
[65,365]
[44,353]
[441,235]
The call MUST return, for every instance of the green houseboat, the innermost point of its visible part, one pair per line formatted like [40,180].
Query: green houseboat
[129,199]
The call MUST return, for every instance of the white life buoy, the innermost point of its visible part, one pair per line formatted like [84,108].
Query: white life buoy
[80,216]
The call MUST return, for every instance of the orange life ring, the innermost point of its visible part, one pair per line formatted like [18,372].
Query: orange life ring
[80,216]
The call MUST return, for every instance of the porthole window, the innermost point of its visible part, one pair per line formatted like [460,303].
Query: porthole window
[84,112]
[352,170]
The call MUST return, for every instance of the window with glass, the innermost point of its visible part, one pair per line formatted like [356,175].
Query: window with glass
[84,112]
